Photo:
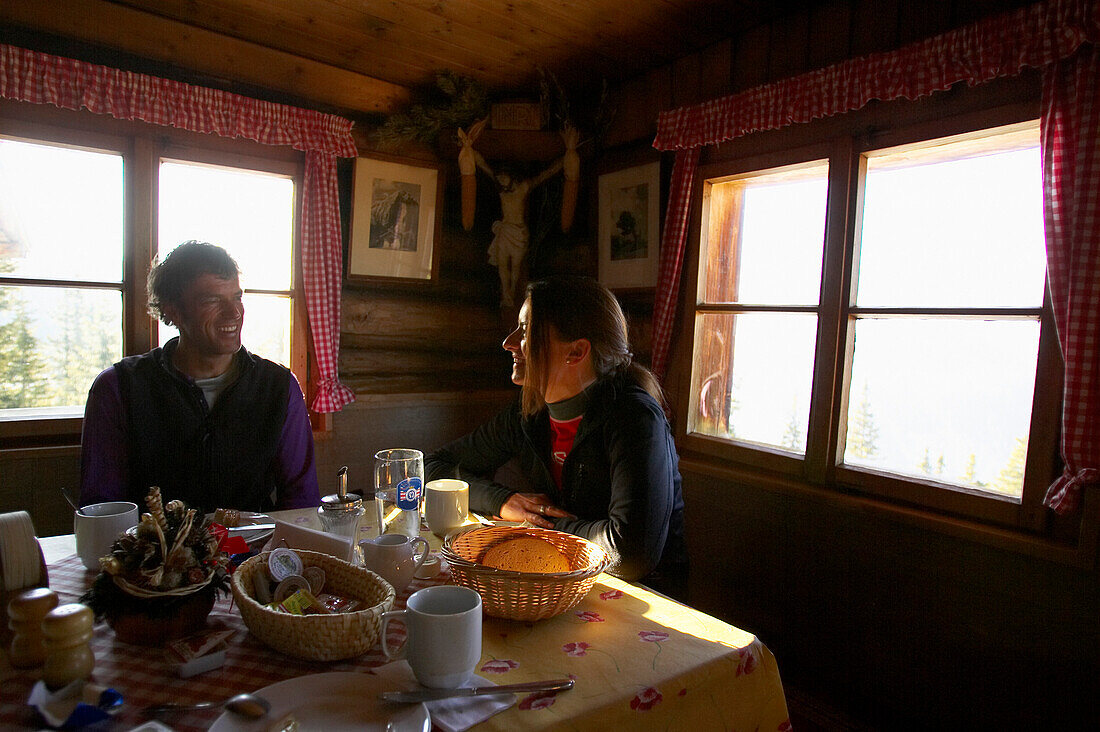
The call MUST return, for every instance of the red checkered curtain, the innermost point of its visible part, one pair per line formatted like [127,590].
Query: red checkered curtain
[673,243]
[1002,45]
[41,78]
[321,270]
[1071,209]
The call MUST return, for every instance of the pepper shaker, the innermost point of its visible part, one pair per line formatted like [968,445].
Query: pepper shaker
[342,512]
[26,611]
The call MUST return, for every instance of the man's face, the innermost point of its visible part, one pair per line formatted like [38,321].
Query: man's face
[210,315]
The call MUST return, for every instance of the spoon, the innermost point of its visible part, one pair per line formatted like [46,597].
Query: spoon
[245,705]
[67,492]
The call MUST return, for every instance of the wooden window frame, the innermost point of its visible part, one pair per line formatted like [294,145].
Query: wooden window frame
[1021,526]
[143,146]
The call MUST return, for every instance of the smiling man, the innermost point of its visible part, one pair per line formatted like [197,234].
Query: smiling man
[204,419]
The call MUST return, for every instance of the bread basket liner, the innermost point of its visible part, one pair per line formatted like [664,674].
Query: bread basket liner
[523,595]
[322,637]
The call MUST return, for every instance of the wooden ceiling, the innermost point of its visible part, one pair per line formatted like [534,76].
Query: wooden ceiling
[365,55]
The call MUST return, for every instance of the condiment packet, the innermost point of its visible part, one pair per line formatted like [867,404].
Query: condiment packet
[193,646]
[282,563]
[289,586]
[198,653]
[214,658]
[339,604]
[316,578]
[79,704]
[302,602]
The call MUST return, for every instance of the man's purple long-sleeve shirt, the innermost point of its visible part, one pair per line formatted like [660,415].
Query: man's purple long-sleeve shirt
[104,462]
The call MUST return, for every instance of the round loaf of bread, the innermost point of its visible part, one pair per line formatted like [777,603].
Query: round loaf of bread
[526,554]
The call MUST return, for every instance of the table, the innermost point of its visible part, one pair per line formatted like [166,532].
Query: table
[640,660]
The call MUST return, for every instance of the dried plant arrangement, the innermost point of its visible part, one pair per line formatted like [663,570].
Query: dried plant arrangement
[160,565]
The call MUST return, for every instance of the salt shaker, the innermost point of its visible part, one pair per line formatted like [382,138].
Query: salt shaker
[67,630]
[342,512]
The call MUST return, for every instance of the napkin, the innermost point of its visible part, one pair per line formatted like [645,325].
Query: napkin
[77,705]
[450,715]
[302,537]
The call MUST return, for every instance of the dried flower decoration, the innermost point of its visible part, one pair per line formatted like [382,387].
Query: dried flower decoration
[170,555]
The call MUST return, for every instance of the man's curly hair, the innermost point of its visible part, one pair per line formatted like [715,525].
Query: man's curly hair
[169,277]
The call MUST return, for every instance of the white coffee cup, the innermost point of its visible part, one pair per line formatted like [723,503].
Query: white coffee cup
[97,525]
[442,635]
[446,505]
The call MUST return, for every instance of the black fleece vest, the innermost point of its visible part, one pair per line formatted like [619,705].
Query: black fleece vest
[209,458]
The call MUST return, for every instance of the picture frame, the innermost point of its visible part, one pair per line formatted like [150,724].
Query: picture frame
[396,207]
[629,232]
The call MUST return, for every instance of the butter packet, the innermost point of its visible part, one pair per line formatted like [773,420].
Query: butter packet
[302,602]
[198,653]
[193,646]
[338,604]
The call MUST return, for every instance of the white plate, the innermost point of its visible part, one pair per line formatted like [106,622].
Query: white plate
[250,517]
[340,700]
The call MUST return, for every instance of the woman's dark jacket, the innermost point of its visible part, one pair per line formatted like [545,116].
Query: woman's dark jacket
[620,479]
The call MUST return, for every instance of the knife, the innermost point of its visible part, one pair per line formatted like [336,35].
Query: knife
[425,695]
[251,527]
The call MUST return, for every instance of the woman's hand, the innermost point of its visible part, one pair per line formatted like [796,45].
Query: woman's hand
[534,508]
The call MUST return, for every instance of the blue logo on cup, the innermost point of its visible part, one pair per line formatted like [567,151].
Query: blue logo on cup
[408,494]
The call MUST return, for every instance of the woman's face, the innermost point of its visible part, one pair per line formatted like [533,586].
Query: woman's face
[517,345]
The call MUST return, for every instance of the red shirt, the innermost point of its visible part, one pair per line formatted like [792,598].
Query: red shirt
[562,434]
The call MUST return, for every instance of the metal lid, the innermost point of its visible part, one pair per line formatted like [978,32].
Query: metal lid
[342,500]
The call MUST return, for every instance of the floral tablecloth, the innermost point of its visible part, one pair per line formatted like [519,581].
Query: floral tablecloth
[640,660]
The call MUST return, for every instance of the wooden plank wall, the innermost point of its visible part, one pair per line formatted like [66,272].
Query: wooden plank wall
[444,335]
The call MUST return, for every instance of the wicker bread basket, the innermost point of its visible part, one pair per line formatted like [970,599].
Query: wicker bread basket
[318,637]
[523,595]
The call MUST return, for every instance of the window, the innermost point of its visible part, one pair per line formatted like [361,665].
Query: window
[77,233]
[891,345]
[947,310]
[757,323]
[61,274]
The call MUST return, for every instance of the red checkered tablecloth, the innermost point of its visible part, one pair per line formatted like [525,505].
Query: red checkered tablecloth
[144,677]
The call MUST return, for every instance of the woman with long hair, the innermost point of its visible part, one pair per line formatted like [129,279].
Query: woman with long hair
[589,434]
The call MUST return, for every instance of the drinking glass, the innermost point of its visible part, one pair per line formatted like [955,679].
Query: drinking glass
[398,488]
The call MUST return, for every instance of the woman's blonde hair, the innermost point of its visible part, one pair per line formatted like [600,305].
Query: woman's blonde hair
[571,308]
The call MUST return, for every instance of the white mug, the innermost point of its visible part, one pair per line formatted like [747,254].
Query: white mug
[442,635]
[446,505]
[97,525]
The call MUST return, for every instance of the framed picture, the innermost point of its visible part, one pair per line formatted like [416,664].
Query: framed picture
[395,213]
[630,227]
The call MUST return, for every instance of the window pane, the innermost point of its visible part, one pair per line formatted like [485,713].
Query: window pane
[267,327]
[948,400]
[752,377]
[53,343]
[765,238]
[61,214]
[954,225]
[250,214]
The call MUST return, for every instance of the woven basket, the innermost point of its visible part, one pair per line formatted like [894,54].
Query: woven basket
[318,637]
[523,595]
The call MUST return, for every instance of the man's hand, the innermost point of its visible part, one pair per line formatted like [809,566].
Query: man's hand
[534,508]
